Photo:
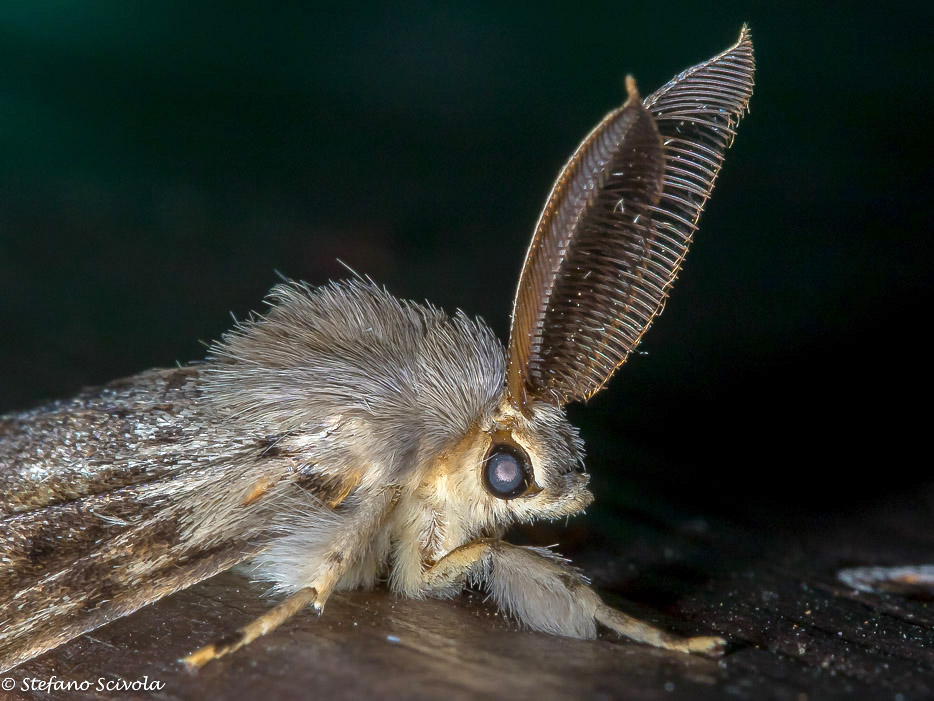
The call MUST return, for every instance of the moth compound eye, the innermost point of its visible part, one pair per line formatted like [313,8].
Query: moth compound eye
[506,471]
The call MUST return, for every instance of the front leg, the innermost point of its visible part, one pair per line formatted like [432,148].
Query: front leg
[544,593]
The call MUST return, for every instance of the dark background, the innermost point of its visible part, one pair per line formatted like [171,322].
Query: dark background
[159,163]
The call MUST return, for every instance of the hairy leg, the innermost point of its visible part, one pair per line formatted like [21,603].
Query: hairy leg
[545,593]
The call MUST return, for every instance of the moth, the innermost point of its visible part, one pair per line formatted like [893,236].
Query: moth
[347,438]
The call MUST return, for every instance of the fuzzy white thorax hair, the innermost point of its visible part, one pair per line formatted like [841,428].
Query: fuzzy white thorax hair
[416,377]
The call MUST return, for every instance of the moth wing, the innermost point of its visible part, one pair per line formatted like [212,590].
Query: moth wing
[71,586]
[119,497]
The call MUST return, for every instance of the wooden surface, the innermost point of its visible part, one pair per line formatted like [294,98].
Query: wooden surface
[759,576]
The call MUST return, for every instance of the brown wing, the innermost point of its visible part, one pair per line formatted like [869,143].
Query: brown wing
[70,585]
[115,499]
[612,237]
[103,439]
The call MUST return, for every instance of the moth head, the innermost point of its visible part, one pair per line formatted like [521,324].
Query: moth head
[515,466]
[606,250]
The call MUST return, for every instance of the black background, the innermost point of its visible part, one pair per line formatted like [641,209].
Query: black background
[159,162]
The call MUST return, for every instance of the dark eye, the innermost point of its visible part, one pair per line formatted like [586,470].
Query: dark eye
[506,472]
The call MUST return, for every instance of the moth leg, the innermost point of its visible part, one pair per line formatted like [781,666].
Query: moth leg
[634,629]
[545,593]
[313,581]
[269,621]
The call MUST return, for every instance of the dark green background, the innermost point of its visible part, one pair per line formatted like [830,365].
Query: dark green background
[158,162]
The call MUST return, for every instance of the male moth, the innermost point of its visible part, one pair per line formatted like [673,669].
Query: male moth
[347,437]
